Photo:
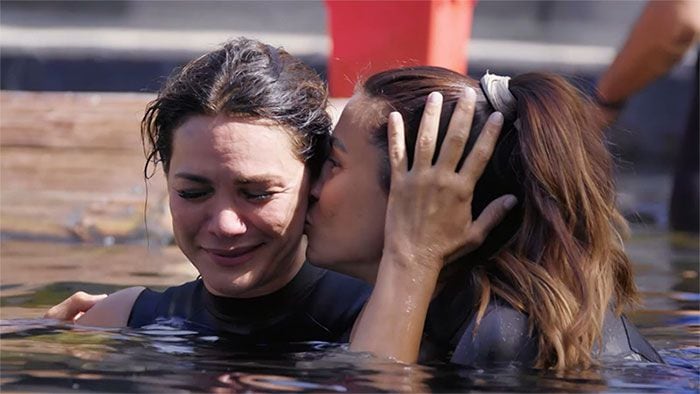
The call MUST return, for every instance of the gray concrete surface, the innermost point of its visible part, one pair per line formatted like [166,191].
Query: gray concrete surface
[557,31]
[131,45]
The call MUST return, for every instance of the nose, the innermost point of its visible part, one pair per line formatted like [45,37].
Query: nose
[317,185]
[315,192]
[227,223]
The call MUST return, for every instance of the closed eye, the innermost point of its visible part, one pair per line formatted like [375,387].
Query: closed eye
[257,196]
[332,163]
[192,194]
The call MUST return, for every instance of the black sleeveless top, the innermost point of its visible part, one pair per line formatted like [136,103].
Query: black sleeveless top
[317,305]
[503,334]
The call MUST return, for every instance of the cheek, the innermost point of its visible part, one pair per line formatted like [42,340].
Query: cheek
[371,215]
[281,215]
[370,229]
[374,210]
[330,200]
[186,218]
[178,214]
[378,219]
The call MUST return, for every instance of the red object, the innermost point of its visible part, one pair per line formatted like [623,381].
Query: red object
[371,36]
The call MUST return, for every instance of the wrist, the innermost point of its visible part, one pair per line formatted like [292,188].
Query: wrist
[410,263]
[608,104]
[391,323]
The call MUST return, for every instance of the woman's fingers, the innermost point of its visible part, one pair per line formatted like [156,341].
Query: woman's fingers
[427,132]
[479,229]
[491,216]
[397,144]
[458,131]
[73,306]
[483,148]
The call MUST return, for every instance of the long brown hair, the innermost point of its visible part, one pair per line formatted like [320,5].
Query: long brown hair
[558,257]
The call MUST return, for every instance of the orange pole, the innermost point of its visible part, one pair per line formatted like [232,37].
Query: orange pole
[371,36]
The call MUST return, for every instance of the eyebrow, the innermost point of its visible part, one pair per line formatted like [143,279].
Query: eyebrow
[336,142]
[254,179]
[192,177]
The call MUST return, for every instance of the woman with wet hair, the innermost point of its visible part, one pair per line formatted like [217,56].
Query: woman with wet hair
[548,285]
[240,133]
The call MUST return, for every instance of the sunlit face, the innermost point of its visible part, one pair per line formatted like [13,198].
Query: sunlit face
[238,197]
[346,224]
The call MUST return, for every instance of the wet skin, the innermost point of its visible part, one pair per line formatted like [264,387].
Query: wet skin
[238,195]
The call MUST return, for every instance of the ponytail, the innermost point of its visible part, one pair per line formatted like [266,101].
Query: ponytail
[558,255]
[565,265]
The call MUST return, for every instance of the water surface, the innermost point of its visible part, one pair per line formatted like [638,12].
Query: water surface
[45,356]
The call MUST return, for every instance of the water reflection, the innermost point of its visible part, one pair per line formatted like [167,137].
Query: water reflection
[43,356]
[39,355]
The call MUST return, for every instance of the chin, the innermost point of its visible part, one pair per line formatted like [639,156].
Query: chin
[228,287]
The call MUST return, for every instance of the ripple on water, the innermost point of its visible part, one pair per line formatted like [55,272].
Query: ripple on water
[45,356]
[40,355]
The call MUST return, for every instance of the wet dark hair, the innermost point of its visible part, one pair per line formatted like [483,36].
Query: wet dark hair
[558,256]
[243,79]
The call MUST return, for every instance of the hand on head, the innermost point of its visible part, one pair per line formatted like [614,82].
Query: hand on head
[428,220]
[429,215]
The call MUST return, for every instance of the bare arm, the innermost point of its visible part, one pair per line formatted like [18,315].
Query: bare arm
[74,306]
[97,310]
[428,220]
[112,311]
[659,39]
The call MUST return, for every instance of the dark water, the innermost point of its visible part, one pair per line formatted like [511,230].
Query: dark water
[42,356]
[39,356]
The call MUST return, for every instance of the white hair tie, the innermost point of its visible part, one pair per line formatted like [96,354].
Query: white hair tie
[498,94]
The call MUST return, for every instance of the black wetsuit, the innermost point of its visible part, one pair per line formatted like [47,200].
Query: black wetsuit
[320,305]
[502,336]
[317,305]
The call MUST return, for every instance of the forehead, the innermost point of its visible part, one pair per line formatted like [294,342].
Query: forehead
[239,144]
[360,116]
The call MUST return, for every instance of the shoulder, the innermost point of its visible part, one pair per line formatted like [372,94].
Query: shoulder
[621,338]
[182,293]
[502,336]
[178,301]
[113,311]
